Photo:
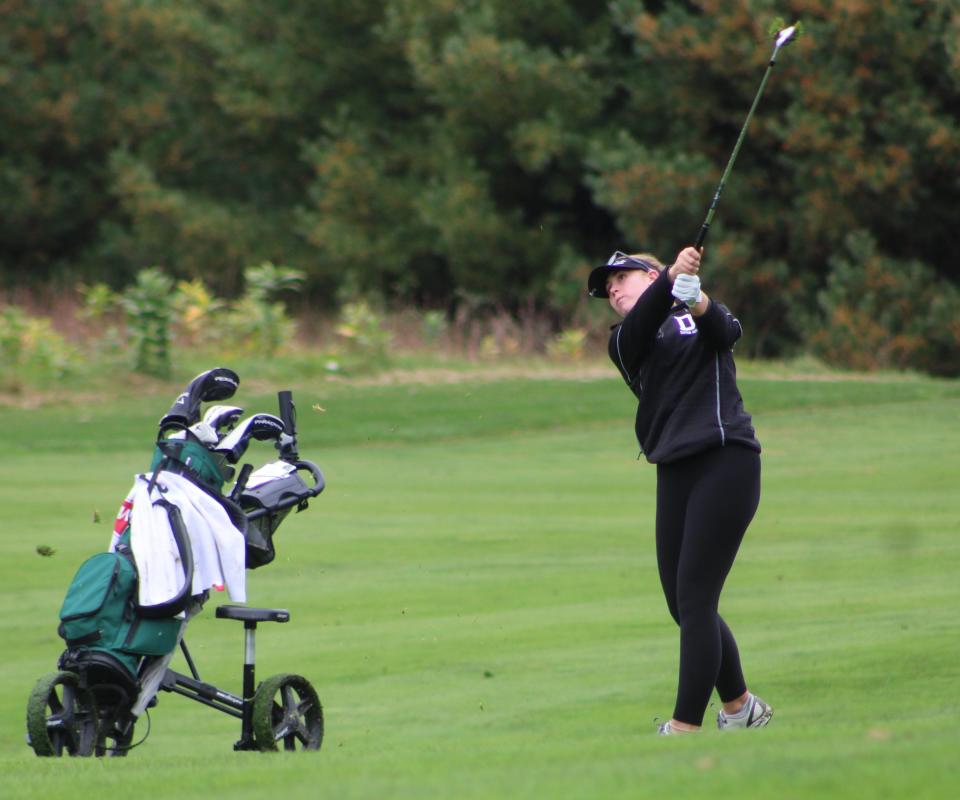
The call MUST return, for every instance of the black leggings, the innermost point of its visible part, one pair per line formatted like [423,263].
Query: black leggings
[704,505]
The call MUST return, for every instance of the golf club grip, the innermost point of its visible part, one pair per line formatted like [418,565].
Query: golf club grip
[704,230]
[288,412]
[241,483]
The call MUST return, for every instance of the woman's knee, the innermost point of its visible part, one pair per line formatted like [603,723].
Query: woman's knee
[670,595]
[695,611]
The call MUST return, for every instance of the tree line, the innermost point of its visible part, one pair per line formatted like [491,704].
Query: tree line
[489,152]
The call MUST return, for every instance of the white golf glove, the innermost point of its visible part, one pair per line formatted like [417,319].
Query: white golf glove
[686,288]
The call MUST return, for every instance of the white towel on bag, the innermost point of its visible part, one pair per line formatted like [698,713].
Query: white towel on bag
[219,547]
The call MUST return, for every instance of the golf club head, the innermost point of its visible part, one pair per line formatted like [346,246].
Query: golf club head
[222,417]
[203,433]
[262,427]
[219,383]
[785,36]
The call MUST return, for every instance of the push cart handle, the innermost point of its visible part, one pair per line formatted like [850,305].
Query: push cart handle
[293,499]
[314,470]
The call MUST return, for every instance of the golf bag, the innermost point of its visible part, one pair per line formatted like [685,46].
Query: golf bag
[99,614]
[106,627]
[176,538]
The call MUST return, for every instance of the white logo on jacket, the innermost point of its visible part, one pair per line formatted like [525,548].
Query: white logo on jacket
[685,324]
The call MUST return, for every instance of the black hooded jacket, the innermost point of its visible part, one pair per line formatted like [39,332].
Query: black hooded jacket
[681,369]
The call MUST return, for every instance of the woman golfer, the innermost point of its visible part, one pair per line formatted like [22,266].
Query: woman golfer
[674,349]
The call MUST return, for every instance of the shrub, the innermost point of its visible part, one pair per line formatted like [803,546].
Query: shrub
[880,312]
[31,351]
[257,320]
[102,312]
[364,333]
[433,326]
[149,306]
[568,344]
[199,314]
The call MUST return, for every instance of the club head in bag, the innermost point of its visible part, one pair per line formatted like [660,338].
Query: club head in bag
[222,418]
[262,427]
[201,431]
[204,433]
[219,383]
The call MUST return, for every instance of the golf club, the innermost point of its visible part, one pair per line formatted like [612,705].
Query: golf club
[262,427]
[222,418]
[784,37]
[207,431]
[205,434]
[214,384]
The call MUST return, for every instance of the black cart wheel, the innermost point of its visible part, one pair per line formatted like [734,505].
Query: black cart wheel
[61,717]
[287,712]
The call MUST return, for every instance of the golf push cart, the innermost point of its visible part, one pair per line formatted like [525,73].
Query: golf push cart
[177,535]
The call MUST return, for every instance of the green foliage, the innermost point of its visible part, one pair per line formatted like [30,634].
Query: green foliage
[200,314]
[149,307]
[486,251]
[424,151]
[366,338]
[881,312]
[31,351]
[846,137]
[160,317]
[102,311]
[99,303]
[257,321]
[569,344]
[433,326]
[652,191]
[267,280]
[55,120]
[361,218]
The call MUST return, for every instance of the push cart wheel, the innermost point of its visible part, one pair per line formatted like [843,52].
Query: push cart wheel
[287,712]
[61,717]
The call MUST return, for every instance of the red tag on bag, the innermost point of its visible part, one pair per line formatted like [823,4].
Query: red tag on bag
[123,517]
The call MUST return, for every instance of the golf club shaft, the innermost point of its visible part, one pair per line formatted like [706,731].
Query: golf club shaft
[705,228]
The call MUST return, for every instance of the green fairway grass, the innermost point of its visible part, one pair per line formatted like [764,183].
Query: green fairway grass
[475,597]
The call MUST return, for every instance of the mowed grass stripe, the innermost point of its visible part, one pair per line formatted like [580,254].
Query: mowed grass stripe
[335,413]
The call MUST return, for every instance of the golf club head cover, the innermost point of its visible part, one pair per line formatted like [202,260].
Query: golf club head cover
[219,417]
[219,383]
[201,431]
[262,427]
[204,433]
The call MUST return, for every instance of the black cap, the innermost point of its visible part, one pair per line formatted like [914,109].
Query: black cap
[597,282]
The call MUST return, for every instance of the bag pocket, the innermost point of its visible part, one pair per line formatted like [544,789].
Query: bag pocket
[98,602]
[151,637]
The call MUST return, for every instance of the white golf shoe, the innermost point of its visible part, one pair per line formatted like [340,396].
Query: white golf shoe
[754,714]
[666,729]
